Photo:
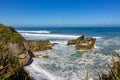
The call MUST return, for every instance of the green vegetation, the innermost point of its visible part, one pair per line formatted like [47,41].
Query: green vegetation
[8,34]
[10,68]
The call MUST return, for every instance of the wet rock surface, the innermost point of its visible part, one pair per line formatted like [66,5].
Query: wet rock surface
[83,43]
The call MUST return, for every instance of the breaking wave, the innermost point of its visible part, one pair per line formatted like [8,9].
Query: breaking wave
[49,36]
[46,35]
[41,31]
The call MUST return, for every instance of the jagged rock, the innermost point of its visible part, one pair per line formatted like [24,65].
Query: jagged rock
[17,50]
[14,48]
[24,50]
[38,45]
[72,42]
[86,44]
[83,43]
[24,58]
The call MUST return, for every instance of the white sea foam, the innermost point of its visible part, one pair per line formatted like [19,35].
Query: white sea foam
[39,73]
[96,47]
[61,64]
[64,62]
[41,31]
[49,36]
[97,37]
[59,42]
[82,50]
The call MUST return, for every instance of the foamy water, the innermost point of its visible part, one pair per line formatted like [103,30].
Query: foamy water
[41,31]
[65,62]
[48,36]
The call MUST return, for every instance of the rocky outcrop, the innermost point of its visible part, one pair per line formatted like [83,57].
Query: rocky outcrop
[17,50]
[14,43]
[72,42]
[24,58]
[24,51]
[38,45]
[83,43]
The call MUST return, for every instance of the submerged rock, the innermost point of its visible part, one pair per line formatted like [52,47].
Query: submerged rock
[83,43]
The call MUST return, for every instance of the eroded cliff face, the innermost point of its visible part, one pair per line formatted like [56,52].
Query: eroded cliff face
[83,43]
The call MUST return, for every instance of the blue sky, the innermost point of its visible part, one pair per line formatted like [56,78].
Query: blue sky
[60,12]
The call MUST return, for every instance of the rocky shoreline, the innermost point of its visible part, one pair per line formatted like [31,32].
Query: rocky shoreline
[21,48]
[16,53]
[13,43]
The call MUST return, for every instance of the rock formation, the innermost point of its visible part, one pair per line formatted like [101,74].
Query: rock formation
[72,42]
[14,43]
[38,45]
[83,43]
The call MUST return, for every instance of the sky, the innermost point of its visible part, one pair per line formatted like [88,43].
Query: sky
[60,12]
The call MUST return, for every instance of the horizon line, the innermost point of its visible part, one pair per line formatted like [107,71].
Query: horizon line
[113,25]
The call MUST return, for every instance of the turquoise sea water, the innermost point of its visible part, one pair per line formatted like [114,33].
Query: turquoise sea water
[65,62]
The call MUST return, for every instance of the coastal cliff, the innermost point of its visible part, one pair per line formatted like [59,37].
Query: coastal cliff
[20,47]
[15,52]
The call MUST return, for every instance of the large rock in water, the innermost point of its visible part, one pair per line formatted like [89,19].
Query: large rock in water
[83,43]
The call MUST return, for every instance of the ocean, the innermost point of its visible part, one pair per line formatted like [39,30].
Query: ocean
[65,62]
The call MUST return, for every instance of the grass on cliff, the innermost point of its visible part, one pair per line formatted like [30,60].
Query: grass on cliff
[10,68]
[8,34]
